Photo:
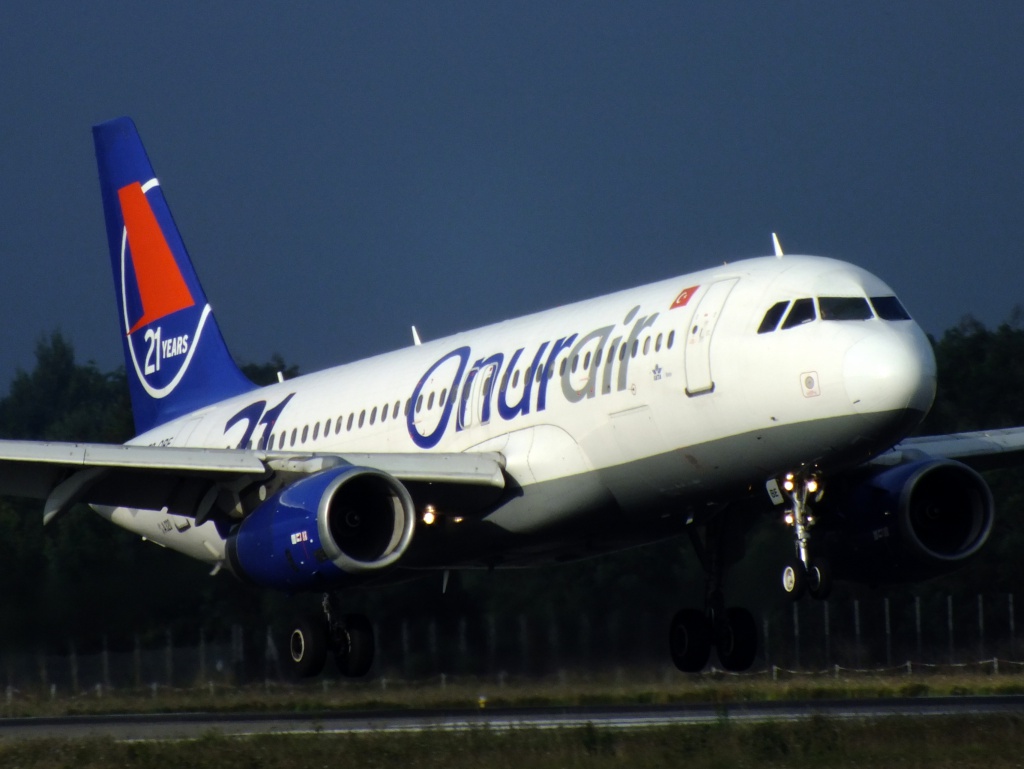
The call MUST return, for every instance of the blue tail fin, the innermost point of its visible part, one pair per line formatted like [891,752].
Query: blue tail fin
[175,356]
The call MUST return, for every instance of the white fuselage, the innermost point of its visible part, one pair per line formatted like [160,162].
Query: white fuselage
[654,397]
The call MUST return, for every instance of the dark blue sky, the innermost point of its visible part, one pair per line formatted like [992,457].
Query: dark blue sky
[342,170]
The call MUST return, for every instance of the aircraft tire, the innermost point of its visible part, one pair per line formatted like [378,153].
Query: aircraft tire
[736,640]
[794,580]
[690,640]
[819,579]
[354,655]
[307,646]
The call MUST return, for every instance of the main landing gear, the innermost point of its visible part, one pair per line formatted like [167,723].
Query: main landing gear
[804,573]
[348,638]
[732,631]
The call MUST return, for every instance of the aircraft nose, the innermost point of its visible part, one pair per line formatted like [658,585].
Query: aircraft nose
[891,370]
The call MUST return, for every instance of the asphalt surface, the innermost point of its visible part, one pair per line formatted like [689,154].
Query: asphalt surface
[180,726]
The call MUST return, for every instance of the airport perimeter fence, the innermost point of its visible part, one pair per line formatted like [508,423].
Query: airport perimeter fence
[820,638]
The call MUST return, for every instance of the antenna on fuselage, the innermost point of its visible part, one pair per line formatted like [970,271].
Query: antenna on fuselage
[416,337]
[778,246]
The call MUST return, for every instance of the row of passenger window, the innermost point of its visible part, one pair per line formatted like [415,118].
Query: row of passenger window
[803,311]
[354,422]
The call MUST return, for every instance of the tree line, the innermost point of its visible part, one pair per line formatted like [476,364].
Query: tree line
[86,580]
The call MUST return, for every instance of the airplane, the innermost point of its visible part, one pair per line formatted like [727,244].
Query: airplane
[676,408]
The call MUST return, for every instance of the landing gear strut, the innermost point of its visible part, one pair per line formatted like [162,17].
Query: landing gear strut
[732,631]
[348,638]
[804,573]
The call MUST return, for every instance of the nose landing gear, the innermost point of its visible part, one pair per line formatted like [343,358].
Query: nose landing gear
[804,572]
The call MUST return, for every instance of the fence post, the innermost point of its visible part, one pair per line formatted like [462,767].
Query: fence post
[949,625]
[917,624]
[828,635]
[106,665]
[796,635]
[981,627]
[137,663]
[856,630]
[202,655]
[73,659]
[169,660]
[888,635]
[524,643]
[1013,635]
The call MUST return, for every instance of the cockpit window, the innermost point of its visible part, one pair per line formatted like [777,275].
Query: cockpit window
[801,312]
[772,317]
[889,308]
[844,308]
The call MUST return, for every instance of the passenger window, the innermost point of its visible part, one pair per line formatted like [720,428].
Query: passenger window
[294,429]
[430,402]
[337,426]
[586,361]
[772,317]
[419,404]
[889,308]
[657,344]
[647,345]
[394,412]
[373,415]
[561,368]
[801,312]
[636,346]
[280,444]
[305,432]
[515,379]
[384,413]
[444,396]
[316,430]
[844,308]
[671,339]
[575,362]
[350,417]
[362,417]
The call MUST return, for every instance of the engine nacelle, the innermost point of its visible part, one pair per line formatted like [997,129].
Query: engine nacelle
[907,522]
[323,530]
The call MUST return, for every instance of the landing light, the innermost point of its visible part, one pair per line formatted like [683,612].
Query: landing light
[812,485]
[429,515]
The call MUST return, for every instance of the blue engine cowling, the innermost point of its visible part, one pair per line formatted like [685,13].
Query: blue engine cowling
[907,522]
[323,530]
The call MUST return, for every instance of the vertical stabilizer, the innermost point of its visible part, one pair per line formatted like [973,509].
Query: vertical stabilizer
[175,357]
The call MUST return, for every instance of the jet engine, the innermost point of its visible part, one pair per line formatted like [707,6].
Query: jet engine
[907,522]
[324,530]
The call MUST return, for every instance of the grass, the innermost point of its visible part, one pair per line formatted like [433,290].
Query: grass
[991,742]
[636,688]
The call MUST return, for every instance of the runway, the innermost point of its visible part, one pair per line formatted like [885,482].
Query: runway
[185,726]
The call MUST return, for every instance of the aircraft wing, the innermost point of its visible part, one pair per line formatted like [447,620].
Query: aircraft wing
[183,479]
[982,450]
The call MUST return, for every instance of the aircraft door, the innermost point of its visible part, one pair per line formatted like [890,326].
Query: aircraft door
[475,403]
[698,340]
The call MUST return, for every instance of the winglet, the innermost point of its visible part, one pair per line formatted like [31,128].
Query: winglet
[778,246]
[416,337]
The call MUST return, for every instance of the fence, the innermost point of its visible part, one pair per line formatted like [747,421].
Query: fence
[809,636]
